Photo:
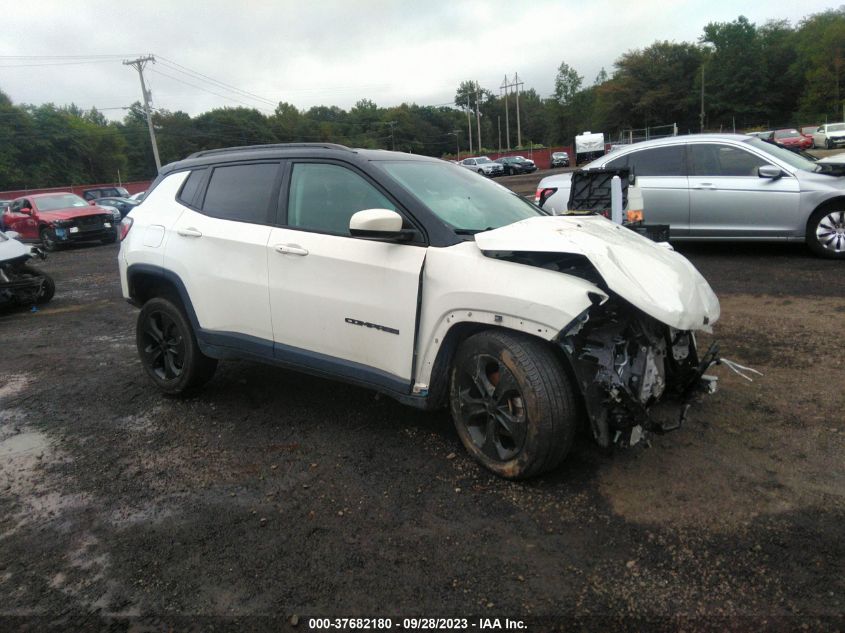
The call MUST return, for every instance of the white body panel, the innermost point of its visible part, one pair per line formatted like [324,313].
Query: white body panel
[140,247]
[462,285]
[11,248]
[655,279]
[344,297]
[224,270]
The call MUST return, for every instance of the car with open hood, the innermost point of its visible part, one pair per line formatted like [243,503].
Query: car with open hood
[726,187]
[402,274]
[56,219]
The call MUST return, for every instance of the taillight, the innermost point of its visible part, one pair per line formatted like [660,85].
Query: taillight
[123,227]
[543,194]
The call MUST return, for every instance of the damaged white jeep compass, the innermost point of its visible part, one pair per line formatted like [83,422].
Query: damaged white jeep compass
[421,280]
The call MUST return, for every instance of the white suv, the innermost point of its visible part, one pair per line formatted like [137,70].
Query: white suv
[413,277]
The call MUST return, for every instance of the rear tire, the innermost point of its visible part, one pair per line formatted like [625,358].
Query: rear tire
[168,348]
[512,403]
[826,232]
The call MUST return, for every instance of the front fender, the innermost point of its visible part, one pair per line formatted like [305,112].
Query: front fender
[461,285]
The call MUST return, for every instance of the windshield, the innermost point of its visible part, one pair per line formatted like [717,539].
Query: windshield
[462,199]
[836,127]
[559,154]
[484,159]
[790,158]
[59,201]
[786,134]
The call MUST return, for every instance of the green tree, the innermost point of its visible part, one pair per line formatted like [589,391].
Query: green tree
[567,84]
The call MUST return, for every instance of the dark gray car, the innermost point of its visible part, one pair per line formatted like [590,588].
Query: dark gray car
[728,187]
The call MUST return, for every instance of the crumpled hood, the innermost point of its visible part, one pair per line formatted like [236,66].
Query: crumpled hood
[653,278]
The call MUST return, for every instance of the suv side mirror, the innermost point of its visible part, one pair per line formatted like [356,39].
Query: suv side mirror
[769,171]
[26,211]
[379,224]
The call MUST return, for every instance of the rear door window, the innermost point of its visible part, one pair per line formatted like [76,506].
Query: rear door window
[659,161]
[241,192]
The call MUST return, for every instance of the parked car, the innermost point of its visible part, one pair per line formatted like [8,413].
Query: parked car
[103,192]
[55,219]
[402,274]
[766,135]
[793,139]
[727,187]
[123,205]
[516,165]
[4,204]
[483,166]
[807,130]
[829,135]
[22,284]
[560,159]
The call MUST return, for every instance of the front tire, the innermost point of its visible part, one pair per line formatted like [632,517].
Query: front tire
[48,286]
[828,144]
[826,233]
[168,348]
[512,403]
[48,239]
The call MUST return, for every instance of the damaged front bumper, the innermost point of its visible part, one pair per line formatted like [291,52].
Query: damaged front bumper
[626,363]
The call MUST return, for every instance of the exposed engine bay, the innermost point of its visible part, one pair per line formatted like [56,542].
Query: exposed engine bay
[626,362]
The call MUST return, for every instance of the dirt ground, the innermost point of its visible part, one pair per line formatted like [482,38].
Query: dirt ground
[271,497]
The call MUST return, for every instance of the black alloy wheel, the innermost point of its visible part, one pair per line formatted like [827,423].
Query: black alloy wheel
[163,345]
[168,348]
[492,408]
[512,403]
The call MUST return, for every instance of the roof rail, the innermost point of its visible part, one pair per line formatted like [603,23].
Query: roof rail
[269,146]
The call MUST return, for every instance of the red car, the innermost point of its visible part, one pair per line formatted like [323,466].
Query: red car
[793,139]
[59,218]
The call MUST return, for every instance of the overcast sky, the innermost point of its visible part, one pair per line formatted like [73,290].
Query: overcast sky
[331,52]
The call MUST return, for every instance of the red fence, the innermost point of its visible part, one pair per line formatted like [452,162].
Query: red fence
[132,187]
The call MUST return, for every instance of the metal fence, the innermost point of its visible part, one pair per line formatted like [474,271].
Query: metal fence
[626,137]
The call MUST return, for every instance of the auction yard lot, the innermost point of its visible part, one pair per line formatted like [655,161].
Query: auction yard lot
[277,494]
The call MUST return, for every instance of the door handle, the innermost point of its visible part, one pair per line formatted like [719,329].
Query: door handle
[291,249]
[189,232]
[704,185]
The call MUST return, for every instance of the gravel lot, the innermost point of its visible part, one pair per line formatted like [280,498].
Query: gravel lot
[278,495]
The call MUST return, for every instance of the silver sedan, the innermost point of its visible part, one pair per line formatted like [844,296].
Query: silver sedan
[727,187]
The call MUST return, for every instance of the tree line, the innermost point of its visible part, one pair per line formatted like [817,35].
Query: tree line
[753,77]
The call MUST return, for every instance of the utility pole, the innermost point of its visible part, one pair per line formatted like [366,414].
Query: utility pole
[477,118]
[504,87]
[515,84]
[139,64]
[392,139]
[701,115]
[499,125]
[469,126]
